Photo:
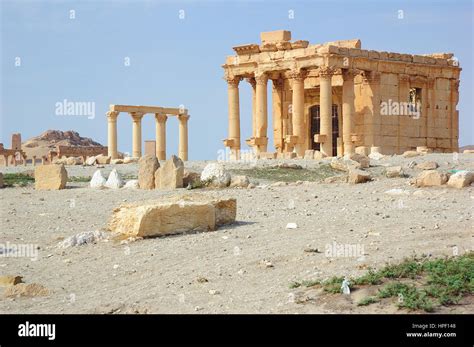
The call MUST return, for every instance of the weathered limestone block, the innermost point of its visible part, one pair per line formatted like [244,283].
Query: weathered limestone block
[267,155]
[68,161]
[91,161]
[344,164]
[50,177]
[147,166]
[132,184]
[376,156]
[170,175]
[97,181]
[130,160]
[424,149]
[358,176]
[26,290]
[116,161]
[362,150]
[103,159]
[7,280]
[309,154]
[214,175]
[289,155]
[318,155]
[241,181]
[363,160]
[394,171]
[175,214]
[461,179]
[427,165]
[431,178]
[410,154]
[468,151]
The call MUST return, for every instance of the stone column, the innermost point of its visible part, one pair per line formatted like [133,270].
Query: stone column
[34,160]
[403,93]
[297,108]
[277,110]
[137,134]
[160,135]
[261,112]
[6,157]
[183,137]
[233,140]
[253,83]
[112,134]
[348,111]
[454,119]
[325,107]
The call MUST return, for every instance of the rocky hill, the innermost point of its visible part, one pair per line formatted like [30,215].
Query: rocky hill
[42,144]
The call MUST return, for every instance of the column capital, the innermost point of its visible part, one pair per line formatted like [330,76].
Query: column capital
[326,71]
[349,74]
[297,75]
[252,81]
[183,117]
[233,81]
[136,116]
[430,82]
[278,83]
[161,117]
[112,115]
[372,76]
[261,78]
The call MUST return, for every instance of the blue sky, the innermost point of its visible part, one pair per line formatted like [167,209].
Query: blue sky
[177,61]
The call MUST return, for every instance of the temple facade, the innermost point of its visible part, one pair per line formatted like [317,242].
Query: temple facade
[337,97]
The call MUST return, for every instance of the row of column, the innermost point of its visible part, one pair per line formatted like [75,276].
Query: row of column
[297,139]
[160,133]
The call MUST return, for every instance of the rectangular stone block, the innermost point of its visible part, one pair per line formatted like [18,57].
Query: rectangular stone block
[50,177]
[275,36]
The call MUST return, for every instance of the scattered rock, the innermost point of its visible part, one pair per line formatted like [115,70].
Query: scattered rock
[397,191]
[468,151]
[279,184]
[410,154]
[6,281]
[239,181]
[292,226]
[114,181]
[318,155]
[394,171]
[461,179]
[26,290]
[50,177]
[97,181]
[344,164]
[214,175]
[129,160]
[358,176]
[173,214]
[335,179]
[427,165]
[91,161]
[116,161]
[86,237]
[132,184]
[170,175]
[363,160]
[103,159]
[309,154]
[430,178]
[147,166]
[376,156]
[289,166]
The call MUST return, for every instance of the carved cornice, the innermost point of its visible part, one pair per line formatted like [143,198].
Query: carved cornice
[112,115]
[136,116]
[297,75]
[278,83]
[371,77]
[252,81]
[233,81]
[161,118]
[349,74]
[183,117]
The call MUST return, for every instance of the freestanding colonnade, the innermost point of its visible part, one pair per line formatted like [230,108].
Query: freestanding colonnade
[161,116]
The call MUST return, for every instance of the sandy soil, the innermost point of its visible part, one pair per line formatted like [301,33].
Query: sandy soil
[244,268]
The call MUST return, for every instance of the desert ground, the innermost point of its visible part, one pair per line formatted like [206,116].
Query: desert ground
[247,267]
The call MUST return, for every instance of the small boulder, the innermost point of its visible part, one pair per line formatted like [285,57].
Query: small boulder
[309,154]
[170,175]
[130,160]
[318,155]
[191,179]
[410,154]
[430,178]
[214,175]
[427,165]
[147,166]
[97,181]
[394,171]
[26,290]
[468,151]
[114,181]
[241,181]
[83,238]
[116,161]
[132,184]
[91,161]
[363,160]
[6,281]
[376,156]
[50,177]
[358,176]
[103,159]
[461,179]
[344,164]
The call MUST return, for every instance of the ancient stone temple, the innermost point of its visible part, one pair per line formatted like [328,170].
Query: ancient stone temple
[336,96]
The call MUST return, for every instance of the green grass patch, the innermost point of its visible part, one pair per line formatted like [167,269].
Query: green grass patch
[19,179]
[288,174]
[79,179]
[416,284]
